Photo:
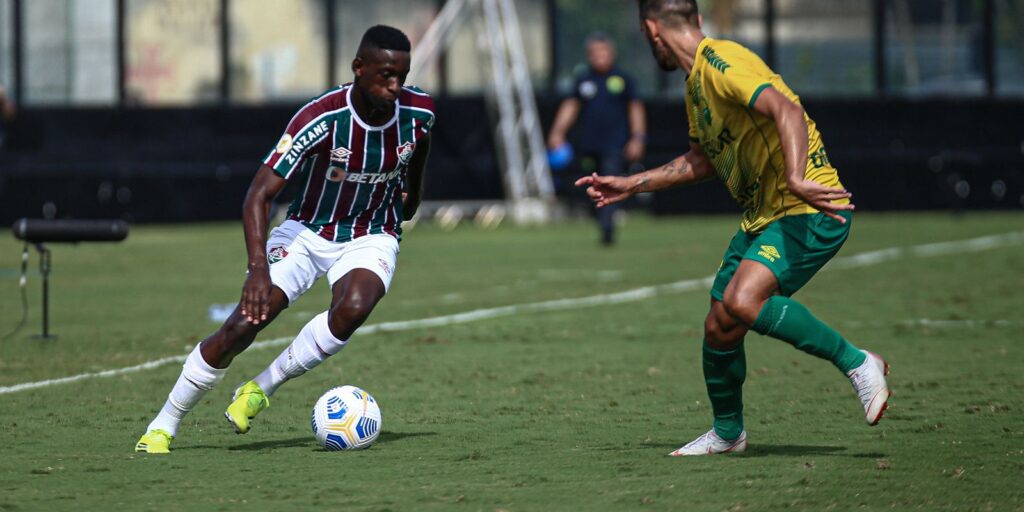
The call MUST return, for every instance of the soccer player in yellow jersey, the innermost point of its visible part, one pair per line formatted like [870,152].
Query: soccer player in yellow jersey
[748,129]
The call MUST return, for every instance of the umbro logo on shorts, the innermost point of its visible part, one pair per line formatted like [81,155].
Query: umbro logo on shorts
[769,252]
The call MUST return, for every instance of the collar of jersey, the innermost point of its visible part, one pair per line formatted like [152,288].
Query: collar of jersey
[699,56]
[366,126]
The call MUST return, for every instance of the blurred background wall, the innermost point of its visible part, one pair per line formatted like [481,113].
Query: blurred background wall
[160,110]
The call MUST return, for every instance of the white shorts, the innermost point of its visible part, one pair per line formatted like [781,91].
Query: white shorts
[298,257]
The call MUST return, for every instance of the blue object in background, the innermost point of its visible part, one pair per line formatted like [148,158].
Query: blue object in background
[560,157]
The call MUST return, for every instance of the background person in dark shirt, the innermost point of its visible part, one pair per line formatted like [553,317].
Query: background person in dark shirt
[613,123]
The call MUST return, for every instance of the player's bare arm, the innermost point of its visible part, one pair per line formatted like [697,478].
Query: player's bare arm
[414,178]
[255,216]
[792,126]
[692,167]
[564,119]
[634,150]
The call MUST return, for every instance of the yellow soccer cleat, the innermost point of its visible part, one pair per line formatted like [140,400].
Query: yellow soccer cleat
[249,401]
[155,441]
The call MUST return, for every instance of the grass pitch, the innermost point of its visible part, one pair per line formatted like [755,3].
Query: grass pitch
[573,409]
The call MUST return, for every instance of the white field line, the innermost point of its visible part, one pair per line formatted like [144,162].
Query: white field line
[857,260]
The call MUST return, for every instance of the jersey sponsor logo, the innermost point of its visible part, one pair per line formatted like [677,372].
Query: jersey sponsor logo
[336,174]
[276,254]
[371,178]
[405,152]
[340,155]
[714,60]
[588,89]
[615,84]
[769,252]
[307,139]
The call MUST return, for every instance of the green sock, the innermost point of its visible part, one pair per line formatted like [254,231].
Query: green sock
[788,320]
[724,373]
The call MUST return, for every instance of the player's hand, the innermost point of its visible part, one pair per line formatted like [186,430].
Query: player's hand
[821,197]
[555,140]
[605,190]
[256,295]
[634,150]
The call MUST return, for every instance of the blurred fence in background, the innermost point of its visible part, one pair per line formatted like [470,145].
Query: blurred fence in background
[158,110]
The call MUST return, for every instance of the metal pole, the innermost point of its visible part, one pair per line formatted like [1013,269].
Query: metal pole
[119,15]
[19,35]
[225,51]
[769,33]
[989,47]
[331,9]
[44,270]
[553,24]
[442,60]
[879,47]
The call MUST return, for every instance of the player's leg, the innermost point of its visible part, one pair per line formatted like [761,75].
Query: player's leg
[725,369]
[782,260]
[204,368]
[724,363]
[750,299]
[360,278]
[292,273]
[326,334]
[609,164]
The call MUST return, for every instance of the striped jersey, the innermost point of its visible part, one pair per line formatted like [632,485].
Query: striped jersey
[744,146]
[351,174]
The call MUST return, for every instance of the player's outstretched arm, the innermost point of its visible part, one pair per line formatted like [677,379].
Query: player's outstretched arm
[568,111]
[255,216]
[693,167]
[414,178]
[792,126]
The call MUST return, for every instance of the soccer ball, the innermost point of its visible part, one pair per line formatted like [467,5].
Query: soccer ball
[346,418]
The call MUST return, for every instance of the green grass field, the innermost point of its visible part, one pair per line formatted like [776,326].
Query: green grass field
[570,409]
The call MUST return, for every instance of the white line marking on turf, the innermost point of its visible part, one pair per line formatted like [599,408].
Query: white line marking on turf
[857,260]
[936,323]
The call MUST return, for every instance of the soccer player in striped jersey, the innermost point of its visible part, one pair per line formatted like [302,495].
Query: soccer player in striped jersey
[748,129]
[358,153]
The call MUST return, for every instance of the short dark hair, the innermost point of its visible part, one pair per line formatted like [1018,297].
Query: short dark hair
[599,37]
[670,12]
[383,37]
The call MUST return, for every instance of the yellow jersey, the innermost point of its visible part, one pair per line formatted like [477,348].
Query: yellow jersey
[742,144]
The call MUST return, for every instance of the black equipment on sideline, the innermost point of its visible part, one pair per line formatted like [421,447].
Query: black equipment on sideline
[40,231]
[43,230]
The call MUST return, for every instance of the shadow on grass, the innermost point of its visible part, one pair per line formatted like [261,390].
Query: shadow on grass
[791,450]
[390,437]
[307,441]
[275,443]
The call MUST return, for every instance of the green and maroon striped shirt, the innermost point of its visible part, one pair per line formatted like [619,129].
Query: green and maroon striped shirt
[351,173]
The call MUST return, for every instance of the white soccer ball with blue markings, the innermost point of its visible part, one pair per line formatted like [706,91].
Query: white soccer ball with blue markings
[346,418]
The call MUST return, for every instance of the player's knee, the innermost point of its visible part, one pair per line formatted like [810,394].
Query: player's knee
[347,315]
[712,329]
[719,336]
[744,307]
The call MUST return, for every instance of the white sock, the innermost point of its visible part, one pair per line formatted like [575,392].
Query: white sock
[312,346]
[197,377]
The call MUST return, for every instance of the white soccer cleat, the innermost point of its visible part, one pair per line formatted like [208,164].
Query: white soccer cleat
[710,444]
[868,381]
